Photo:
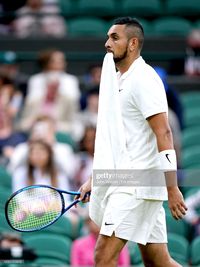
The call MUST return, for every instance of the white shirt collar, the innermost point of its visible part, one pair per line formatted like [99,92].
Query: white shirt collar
[135,63]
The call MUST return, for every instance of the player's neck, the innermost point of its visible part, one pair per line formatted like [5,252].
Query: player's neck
[124,65]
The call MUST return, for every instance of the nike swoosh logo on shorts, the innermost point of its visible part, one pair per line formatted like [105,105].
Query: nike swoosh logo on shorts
[120,90]
[109,223]
[167,156]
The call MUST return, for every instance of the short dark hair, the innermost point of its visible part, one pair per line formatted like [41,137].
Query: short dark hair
[137,27]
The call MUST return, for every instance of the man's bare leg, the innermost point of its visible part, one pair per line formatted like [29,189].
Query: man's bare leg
[107,250]
[157,255]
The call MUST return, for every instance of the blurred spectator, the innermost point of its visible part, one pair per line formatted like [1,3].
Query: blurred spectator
[44,128]
[89,81]
[7,8]
[10,105]
[82,252]
[10,68]
[9,240]
[40,168]
[173,97]
[92,77]
[10,98]
[12,248]
[89,115]
[193,216]
[42,88]
[55,104]
[192,63]
[37,19]
[84,159]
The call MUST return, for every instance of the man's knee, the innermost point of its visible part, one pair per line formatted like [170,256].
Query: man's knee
[162,262]
[103,255]
[107,250]
[103,258]
[157,255]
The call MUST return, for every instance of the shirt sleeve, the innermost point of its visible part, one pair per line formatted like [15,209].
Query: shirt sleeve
[150,96]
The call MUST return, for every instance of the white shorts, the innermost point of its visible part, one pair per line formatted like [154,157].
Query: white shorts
[138,220]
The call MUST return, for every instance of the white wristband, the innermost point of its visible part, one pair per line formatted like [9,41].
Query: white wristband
[168,160]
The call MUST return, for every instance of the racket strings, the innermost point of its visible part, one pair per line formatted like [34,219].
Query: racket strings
[34,209]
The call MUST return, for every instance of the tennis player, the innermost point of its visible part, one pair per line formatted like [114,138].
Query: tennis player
[139,216]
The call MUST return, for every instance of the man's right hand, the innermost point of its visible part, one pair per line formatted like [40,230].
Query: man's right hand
[85,188]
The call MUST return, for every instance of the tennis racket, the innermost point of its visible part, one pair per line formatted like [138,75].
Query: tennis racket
[35,207]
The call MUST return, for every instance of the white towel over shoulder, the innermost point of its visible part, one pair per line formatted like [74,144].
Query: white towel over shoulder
[110,143]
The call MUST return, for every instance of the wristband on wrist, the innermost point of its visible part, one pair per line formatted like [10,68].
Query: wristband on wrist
[168,160]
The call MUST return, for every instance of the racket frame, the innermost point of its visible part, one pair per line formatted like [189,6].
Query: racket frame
[63,210]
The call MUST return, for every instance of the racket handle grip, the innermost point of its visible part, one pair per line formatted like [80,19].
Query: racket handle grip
[86,195]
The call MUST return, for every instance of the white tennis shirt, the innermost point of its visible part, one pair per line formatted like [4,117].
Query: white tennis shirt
[142,95]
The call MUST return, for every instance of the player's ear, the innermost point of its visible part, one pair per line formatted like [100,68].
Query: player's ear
[133,44]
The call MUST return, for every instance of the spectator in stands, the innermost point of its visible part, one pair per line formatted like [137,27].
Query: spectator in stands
[7,9]
[43,86]
[192,63]
[12,248]
[92,77]
[54,103]
[10,98]
[82,252]
[193,216]
[40,168]
[89,81]
[9,240]
[44,128]
[173,98]
[10,105]
[84,159]
[10,67]
[37,19]
[89,115]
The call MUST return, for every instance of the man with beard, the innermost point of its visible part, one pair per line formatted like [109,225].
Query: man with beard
[136,213]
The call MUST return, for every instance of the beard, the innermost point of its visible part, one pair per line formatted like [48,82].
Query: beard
[122,56]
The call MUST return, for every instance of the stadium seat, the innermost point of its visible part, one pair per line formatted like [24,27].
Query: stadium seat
[66,138]
[183,8]
[178,247]
[96,8]
[4,195]
[171,26]
[197,24]
[135,255]
[192,117]
[3,223]
[5,178]
[87,26]
[191,178]
[64,227]
[144,8]
[147,26]
[50,246]
[65,7]
[195,251]
[190,137]
[191,158]
[176,227]
[191,191]
[190,99]
[48,262]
